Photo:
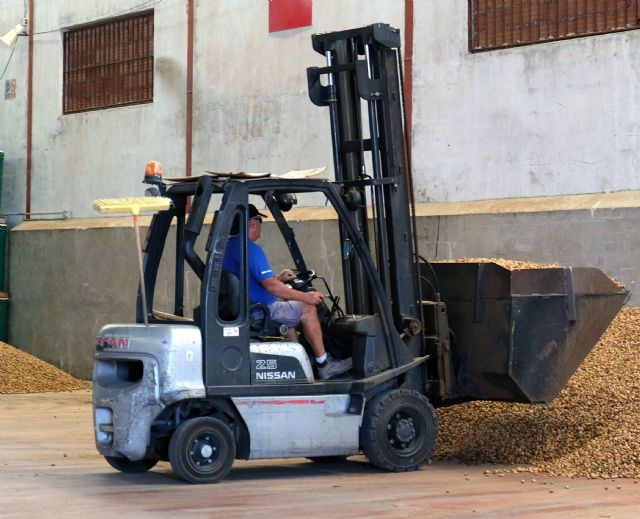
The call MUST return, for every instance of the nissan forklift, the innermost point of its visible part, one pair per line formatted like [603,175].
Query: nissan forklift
[205,376]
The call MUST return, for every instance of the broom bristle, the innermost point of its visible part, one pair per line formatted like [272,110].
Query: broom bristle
[133,205]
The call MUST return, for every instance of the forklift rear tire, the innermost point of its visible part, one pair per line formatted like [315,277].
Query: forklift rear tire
[399,430]
[202,450]
[130,467]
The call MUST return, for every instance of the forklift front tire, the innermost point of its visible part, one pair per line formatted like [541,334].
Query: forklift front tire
[130,467]
[399,430]
[202,450]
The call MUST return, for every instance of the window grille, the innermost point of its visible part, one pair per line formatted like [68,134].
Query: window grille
[109,64]
[495,24]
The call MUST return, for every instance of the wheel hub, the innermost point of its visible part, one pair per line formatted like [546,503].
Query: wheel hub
[204,451]
[401,432]
[405,430]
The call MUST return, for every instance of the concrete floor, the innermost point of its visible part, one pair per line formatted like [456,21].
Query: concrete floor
[49,468]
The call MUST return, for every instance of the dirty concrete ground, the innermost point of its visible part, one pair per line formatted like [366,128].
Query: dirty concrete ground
[50,468]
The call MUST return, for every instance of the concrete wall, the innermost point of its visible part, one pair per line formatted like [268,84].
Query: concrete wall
[549,119]
[606,239]
[67,282]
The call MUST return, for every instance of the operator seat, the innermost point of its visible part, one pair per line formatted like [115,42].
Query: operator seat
[261,324]
[229,296]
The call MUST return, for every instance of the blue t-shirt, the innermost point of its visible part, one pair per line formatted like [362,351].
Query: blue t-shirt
[259,269]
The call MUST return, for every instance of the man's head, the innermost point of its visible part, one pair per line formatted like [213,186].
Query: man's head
[255,223]
[254,213]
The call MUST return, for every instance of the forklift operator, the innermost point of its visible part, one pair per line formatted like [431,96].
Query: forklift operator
[287,306]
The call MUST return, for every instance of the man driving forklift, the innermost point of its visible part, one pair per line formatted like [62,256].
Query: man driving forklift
[286,305]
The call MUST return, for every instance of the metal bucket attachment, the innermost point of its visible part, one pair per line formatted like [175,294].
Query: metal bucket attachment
[519,335]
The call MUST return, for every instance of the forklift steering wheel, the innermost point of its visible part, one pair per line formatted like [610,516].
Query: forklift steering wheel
[302,280]
[305,276]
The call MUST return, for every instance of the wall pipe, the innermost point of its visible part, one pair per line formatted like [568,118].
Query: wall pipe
[189,108]
[32,30]
[408,69]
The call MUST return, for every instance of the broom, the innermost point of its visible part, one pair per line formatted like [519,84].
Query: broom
[134,206]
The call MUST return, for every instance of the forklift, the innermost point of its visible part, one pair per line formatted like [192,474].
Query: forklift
[209,377]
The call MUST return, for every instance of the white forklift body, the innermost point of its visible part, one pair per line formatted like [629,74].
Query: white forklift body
[135,380]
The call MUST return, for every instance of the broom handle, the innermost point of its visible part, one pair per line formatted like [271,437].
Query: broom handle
[143,290]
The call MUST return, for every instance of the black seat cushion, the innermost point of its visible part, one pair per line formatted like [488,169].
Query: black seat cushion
[229,296]
[229,308]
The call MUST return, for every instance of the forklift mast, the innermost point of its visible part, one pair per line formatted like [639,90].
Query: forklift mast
[362,87]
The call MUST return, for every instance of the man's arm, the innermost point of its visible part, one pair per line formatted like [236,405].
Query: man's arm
[279,289]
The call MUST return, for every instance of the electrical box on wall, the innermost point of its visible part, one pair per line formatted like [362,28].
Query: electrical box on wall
[10,89]
[289,14]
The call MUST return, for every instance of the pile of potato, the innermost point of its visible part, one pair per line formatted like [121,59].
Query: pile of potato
[505,263]
[24,373]
[510,264]
[591,429]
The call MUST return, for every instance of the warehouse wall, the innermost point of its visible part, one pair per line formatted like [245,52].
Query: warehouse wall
[251,108]
[79,157]
[556,118]
[13,112]
[252,111]
[551,119]
[540,120]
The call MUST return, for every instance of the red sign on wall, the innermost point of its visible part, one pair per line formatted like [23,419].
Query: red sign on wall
[289,14]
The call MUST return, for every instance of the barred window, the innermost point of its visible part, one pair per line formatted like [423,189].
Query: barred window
[495,24]
[109,64]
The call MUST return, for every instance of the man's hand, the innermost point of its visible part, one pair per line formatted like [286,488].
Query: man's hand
[286,275]
[313,298]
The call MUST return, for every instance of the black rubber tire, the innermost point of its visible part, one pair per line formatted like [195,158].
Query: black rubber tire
[399,430]
[214,457]
[130,467]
